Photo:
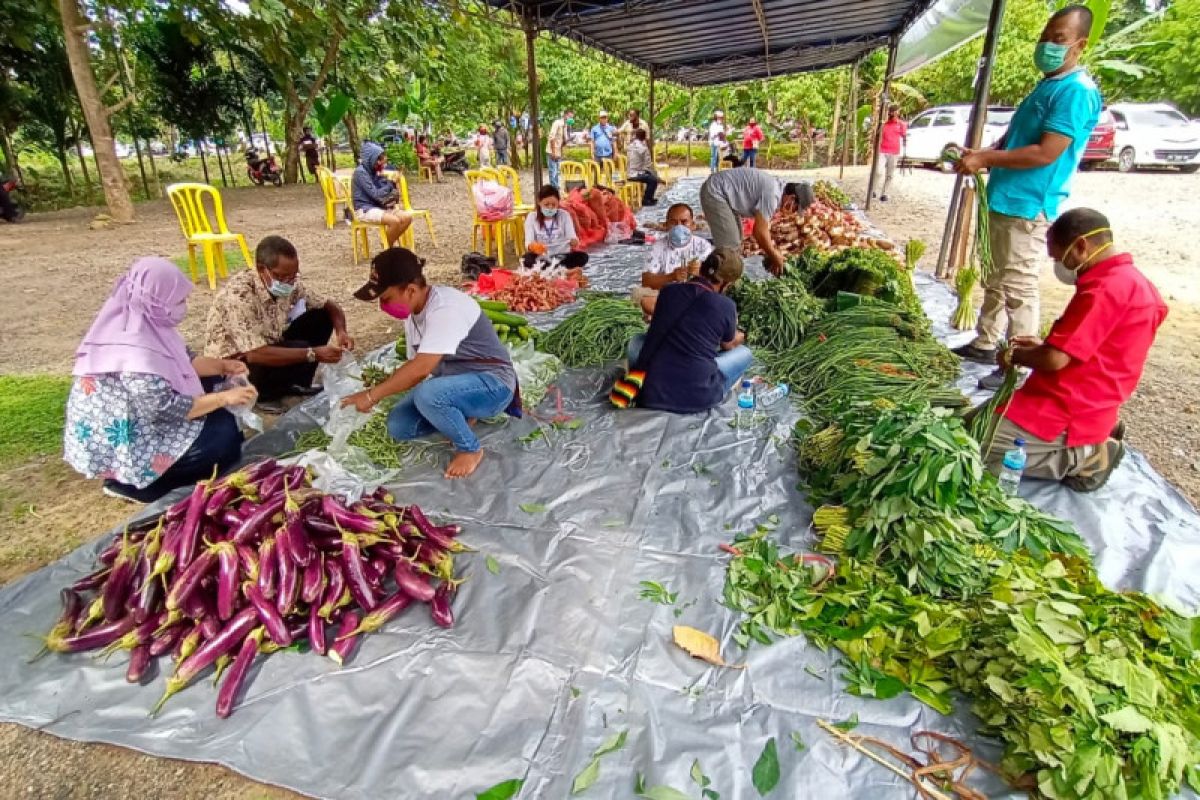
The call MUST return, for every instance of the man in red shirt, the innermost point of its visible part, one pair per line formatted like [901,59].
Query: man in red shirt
[751,136]
[895,131]
[1089,364]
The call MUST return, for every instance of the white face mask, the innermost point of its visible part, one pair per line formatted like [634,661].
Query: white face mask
[1067,276]
[1070,276]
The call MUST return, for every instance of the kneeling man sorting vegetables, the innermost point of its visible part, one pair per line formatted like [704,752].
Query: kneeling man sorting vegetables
[457,368]
[1088,365]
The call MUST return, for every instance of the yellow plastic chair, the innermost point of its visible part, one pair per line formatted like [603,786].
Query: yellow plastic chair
[492,231]
[417,213]
[573,171]
[629,191]
[509,178]
[664,168]
[426,173]
[594,172]
[360,241]
[204,230]
[331,188]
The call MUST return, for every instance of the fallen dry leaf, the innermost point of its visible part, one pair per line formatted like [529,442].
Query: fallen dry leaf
[699,644]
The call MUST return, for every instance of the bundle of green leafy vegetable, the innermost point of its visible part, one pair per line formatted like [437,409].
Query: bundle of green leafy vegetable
[596,334]
[864,352]
[775,314]
[944,582]
[857,270]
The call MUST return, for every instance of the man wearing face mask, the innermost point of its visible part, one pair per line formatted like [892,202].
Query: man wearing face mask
[268,319]
[674,258]
[556,141]
[1089,364]
[1030,175]
[457,368]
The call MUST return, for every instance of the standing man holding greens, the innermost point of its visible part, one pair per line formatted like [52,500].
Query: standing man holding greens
[1030,175]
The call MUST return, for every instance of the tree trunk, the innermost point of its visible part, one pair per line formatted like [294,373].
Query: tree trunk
[203,160]
[87,179]
[10,156]
[831,138]
[112,176]
[221,167]
[295,109]
[66,171]
[351,123]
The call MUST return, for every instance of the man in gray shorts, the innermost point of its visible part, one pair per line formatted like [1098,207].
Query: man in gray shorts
[733,194]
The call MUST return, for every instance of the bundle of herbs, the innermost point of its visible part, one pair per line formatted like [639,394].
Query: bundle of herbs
[775,313]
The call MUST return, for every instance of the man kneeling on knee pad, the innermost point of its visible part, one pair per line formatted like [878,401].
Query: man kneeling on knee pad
[1088,365]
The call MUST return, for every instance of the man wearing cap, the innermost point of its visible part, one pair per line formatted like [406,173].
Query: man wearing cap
[729,196]
[602,137]
[267,318]
[693,353]
[716,133]
[457,368]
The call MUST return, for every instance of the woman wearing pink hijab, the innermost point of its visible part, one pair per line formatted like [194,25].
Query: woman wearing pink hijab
[138,415]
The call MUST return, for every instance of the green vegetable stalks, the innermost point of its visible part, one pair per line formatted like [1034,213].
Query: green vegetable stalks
[964,316]
[596,334]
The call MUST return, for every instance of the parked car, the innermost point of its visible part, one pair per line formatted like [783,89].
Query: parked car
[930,131]
[1154,135]
[1101,144]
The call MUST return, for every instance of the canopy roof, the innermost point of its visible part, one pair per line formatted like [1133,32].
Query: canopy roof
[701,42]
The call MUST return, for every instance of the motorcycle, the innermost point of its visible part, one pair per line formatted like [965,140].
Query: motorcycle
[262,171]
[453,160]
[10,210]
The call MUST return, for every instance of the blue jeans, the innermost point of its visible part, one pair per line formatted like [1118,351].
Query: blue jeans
[732,363]
[749,154]
[552,163]
[714,157]
[444,404]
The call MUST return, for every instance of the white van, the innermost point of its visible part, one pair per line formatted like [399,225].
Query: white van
[930,131]
[1154,135]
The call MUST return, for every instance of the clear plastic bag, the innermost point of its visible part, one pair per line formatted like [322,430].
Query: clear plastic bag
[244,414]
[535,371]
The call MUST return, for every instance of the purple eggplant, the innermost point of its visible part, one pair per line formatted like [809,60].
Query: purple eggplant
[245,532]
[119,584]
[412,583]
[218,500]
[316,630]
[227,578]
[247,561]
[190,579]
[189,533]
[277,629]
[92,581]
[288,586]
[188,643]
[440,609]
[418,518]
[300,546]
[335,587]
[313,584]
[207,654]
[165,639]
[267,563]
[386,610]
[272,485]
[100,636]
[347,519]
[227,695]
[72,607]
[141,634]
[356,577]
[344,641]
[321,526]
[230,518]
[139,659]
[209,626]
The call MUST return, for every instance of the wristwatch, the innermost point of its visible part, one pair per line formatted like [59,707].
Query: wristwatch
[312,355]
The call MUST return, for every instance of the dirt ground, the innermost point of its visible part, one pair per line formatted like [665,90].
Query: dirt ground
[59,272]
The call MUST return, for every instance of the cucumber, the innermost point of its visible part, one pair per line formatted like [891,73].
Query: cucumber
[492,305]
[502,329]
[501,318]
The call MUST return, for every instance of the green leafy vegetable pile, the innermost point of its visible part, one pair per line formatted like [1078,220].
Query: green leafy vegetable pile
[775,314]
[857,270]
[944,582]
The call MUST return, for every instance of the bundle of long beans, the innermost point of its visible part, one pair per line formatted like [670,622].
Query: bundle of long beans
[776,313]
[964,316]
[913,250]
[596,334]
[986,419]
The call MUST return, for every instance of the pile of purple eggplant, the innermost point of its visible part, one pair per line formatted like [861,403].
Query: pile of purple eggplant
[252,563]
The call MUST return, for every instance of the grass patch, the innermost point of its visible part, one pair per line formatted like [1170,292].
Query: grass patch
[233,261]
[32,410]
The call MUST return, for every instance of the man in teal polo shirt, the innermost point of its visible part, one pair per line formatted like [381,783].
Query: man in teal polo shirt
[1030,175]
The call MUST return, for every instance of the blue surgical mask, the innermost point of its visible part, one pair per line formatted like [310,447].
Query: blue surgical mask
[548,211]
[679,235]
[281,289]
[1048,56]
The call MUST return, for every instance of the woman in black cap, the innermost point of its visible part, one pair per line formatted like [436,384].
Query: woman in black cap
[457,368]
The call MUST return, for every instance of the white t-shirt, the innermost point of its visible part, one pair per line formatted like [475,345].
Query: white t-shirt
[556,234]
[713,130]
[665,259]
[452,325]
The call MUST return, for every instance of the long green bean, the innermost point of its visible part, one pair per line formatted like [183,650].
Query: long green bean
[596,334]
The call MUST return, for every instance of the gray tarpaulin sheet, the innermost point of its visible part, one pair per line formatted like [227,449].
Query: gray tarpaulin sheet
[557,652]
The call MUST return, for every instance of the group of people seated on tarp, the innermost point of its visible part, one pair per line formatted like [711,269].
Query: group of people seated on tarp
[146,414]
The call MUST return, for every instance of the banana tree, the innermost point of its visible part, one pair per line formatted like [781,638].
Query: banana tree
[329,112]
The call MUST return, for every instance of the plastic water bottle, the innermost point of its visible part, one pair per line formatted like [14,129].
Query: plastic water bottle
[745,409]
[1012,467]
[773,395]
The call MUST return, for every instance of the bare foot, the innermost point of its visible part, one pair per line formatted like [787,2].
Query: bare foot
[463,464]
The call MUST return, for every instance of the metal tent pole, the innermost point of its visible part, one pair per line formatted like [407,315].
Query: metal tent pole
[687,170]
[983,84]
[884,100]
[534,128]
